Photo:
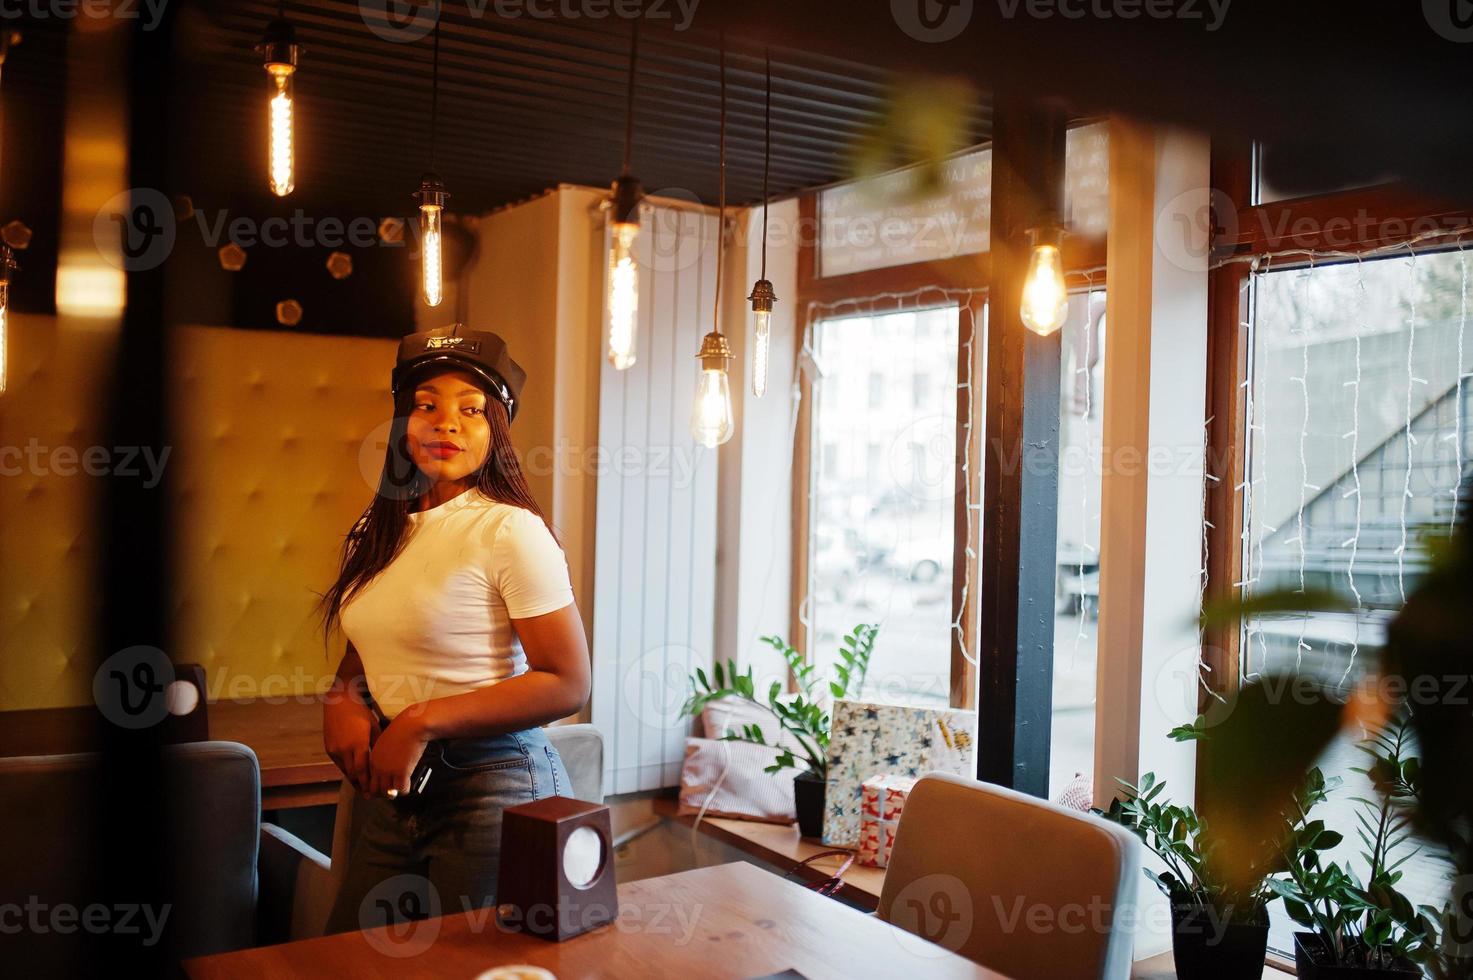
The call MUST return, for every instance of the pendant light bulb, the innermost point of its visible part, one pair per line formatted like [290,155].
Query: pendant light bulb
[431,197]
[623,283]
[1045,303]
[762,299]
[711,415]
[279,57]
[7,269]
[763,295]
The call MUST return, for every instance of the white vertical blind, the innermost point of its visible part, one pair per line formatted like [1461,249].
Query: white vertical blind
[655,557]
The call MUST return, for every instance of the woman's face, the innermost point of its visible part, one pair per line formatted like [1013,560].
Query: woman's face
[449,437]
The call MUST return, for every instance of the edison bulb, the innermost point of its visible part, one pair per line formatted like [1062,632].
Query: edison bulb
[761,341]
[1045,299]
[710,417]
[431,256]
[4,330]
[283,178]
[623,299]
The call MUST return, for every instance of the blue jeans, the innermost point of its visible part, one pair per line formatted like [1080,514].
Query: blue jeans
[437,852]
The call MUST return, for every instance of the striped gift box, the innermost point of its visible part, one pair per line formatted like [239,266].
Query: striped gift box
[882,799]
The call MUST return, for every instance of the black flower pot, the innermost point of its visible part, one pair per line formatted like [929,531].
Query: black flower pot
[808,797]
[1205,947]
[1313,961]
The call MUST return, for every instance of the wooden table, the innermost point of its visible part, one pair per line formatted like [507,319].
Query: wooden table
[724,921]
[285,734]
[287,739]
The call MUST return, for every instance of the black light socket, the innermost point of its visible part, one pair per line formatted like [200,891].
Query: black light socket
[625,202]
[431,191]
[279,44]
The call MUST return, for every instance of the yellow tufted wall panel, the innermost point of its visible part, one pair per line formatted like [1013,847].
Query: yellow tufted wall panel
[267,476]
[270,428]
[49,419]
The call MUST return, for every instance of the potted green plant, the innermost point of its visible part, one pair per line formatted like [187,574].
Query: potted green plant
[1362,930]
[1264,740]
[803,715]
[1219,914]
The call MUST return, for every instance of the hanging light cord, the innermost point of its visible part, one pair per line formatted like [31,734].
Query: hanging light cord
[435,95]
[766,155]
[720,193]
[629,98]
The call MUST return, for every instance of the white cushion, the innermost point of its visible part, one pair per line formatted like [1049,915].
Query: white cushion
[723,778]
[727,716]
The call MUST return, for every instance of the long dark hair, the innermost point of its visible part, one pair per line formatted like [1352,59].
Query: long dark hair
[379,534]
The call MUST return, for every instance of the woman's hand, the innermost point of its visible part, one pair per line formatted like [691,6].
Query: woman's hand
[396,753]
[348,733]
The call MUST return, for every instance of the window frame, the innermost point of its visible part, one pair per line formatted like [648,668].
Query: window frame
[1084,261]
[1256,231]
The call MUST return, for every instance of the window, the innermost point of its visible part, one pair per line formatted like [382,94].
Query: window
[1077,573]
[866,549]
[882,496]
[1358,409]
[1284,179]
[876,390]
[884,222]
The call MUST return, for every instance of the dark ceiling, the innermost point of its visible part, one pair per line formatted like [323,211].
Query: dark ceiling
[525,103]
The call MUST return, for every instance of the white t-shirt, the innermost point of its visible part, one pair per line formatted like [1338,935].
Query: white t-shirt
[437,620]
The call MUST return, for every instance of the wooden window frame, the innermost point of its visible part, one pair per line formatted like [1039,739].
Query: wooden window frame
[964,272]
[1358,221]
[1397,215]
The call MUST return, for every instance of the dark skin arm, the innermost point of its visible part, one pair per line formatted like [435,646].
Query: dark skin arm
[555,685]
[349,727]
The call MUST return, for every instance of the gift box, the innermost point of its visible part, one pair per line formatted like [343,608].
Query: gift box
[873,739]
[882,798]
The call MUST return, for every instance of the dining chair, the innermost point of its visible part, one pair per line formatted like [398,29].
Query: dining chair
[213,832]
[1017,884]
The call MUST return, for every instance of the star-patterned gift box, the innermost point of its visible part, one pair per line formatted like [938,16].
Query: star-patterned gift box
[871,739]
[882,798]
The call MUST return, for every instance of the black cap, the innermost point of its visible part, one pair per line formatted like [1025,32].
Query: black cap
[480,352]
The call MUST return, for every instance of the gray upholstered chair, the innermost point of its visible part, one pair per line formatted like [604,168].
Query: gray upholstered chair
[302,882]
[215,807]
[1019,885]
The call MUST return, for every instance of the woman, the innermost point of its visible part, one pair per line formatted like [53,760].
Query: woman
[463,639]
